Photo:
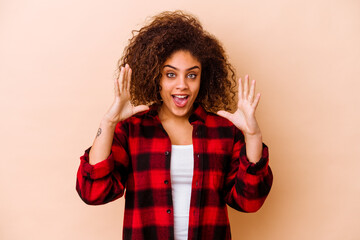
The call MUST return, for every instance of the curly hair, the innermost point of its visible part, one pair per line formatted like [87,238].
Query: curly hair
[167,33]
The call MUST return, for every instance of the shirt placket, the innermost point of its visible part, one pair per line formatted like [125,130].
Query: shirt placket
[169,214]
[194,213]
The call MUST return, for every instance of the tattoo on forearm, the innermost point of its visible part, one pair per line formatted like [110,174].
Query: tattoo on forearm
[98,132]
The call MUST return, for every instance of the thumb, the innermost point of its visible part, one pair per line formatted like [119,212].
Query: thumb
[140,108]
[225,114]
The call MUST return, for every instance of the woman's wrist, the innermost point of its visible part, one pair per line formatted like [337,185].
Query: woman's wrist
[253,147]
[253,137]
[106,122]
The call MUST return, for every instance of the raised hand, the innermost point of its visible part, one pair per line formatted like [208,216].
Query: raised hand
[122,108]
[244,117]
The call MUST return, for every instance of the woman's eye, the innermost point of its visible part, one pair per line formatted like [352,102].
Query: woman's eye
[170,75]
[192,75]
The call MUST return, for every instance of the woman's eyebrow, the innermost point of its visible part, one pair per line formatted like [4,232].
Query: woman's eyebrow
[178,69]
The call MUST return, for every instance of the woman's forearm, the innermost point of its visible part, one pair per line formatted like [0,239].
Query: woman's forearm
[253,147]
[101,147]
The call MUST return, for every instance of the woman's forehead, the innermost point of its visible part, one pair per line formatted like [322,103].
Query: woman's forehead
[182,60]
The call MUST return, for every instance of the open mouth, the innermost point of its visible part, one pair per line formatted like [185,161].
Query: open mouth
[180,100]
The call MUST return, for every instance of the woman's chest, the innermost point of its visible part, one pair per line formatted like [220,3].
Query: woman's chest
[152,150]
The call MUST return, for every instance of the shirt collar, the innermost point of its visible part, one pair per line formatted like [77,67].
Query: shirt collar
[199,112]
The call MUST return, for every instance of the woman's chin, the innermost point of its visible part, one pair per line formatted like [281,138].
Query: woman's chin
[180,112]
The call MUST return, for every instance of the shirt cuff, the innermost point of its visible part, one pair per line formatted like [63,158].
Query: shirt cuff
[98,170]
[259,168]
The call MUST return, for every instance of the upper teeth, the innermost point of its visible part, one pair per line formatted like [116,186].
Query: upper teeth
[180,96]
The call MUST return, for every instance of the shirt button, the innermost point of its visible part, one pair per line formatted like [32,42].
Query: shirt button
[198,155]
[168,211]
[196,183]
[167,153]
[166,181]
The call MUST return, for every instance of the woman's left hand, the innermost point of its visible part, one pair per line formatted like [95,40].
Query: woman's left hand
[244,117]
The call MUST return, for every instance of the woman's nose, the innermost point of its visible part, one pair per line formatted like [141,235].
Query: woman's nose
[181,84]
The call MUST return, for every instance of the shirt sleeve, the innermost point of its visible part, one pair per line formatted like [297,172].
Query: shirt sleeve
[247,184]
[105,181]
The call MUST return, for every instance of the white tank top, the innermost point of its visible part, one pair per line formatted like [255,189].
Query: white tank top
[181,171]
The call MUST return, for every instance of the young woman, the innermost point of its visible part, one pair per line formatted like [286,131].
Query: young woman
[170,140]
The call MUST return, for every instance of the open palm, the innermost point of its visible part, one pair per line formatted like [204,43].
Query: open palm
[244,117]
[122,108]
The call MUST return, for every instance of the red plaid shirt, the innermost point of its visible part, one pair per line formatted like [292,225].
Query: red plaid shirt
[140,163]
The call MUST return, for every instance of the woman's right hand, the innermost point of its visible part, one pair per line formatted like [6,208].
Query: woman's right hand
[122,108]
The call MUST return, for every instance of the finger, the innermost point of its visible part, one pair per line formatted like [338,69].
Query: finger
[225,114]
[246,87]
[140,108]
[256,101]
[128,82]
[240,93]
[124,80]
[119,80]
[252,91]
[116,87]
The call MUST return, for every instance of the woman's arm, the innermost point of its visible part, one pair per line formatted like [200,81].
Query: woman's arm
[244,119]
[102,144]
[247,184]
[120,109]
[103,169]
[249,178]
[105,181]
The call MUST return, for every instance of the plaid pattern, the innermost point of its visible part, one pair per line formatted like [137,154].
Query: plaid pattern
[140,163]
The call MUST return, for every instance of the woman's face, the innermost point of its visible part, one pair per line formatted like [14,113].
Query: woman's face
[180,84]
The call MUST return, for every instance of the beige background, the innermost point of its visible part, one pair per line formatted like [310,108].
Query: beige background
[57,61]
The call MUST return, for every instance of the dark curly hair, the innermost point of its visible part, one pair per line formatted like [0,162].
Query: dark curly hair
[167,33]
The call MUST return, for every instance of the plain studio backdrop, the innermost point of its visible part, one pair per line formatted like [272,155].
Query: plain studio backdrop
[57,64]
